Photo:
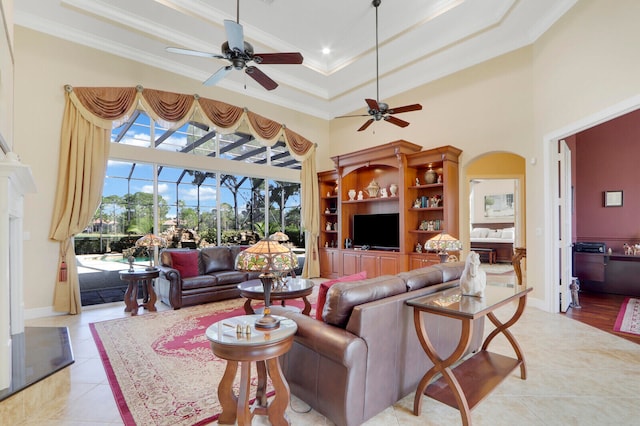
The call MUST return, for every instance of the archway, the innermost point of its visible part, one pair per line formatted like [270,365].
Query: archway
[494,217]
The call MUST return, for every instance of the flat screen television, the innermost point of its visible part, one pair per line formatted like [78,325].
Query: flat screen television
[378,231]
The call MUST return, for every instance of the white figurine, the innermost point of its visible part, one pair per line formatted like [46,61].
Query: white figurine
[360,195]
[473,280]
[383,193]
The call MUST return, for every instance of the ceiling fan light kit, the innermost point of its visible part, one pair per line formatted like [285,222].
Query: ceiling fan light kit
[239,53]
[380,110]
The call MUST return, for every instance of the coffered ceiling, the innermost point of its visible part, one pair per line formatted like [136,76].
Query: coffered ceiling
[419,40]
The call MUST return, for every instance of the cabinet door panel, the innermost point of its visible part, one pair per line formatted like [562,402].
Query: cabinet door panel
[369,263]
[415,262]
[335,264]
[328,264]
[389,265]
[350,263]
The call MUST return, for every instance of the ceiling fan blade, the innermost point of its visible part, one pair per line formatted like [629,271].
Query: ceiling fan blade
[235,35]
[406,108]
[366,124]
[261,78]
[217,76]
[278,58]
[356,115]
[373,104]
[393,120]
[193,52]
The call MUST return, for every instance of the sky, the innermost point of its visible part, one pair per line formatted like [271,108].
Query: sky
[138,134]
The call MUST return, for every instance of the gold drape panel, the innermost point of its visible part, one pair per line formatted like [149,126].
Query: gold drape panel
[108,103]
[221,114]
[297,144]
[84,151]
[171,107]
[310,217]
[267,130]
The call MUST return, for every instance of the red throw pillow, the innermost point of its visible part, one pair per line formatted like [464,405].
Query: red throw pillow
[325,286]
[186,262]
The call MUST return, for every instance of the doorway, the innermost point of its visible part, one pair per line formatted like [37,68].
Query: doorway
[496,193]
[555,183]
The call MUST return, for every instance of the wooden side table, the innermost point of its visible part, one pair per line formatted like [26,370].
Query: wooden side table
[262,347]
[145,278]
[464,386]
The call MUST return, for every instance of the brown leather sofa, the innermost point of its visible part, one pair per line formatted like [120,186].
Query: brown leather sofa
[365,354]
[216,277]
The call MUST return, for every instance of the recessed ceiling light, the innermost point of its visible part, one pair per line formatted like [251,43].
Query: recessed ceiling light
[326,51]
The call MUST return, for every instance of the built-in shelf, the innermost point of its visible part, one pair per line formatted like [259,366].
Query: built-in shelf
[371,200]
[417,209]
[431,185]
[402,165]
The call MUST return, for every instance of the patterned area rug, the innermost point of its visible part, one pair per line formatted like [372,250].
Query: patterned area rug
[160,365]
[497,268]
[628,320]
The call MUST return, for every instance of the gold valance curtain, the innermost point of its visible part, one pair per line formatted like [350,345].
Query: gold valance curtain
[84,150]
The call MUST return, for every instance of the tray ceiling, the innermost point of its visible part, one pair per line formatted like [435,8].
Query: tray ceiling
[420,40]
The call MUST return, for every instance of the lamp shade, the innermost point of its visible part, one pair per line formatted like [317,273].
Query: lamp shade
[279,236]
[267,255]
[272,259]
[443,242]
[151,240]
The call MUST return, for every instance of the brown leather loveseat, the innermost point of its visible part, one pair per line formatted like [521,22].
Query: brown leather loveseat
[191,277]
[365,354]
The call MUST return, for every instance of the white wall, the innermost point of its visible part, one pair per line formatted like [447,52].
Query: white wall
[6,75]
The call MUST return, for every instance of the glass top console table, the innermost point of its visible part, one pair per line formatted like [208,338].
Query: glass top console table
[464,386]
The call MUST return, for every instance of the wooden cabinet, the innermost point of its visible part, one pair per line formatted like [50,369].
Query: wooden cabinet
[376,263]
[604,273]
[398,168]
[420,260]
[589,266]
[329,263]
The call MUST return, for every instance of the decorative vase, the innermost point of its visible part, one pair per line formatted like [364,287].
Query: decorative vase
[430,176]
[373,188]
[352,194]
[393,188]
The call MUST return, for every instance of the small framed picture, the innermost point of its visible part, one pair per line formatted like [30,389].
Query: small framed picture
[613,198]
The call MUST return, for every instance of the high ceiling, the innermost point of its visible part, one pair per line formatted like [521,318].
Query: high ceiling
[420,40]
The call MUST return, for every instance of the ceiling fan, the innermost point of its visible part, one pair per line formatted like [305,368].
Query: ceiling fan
[239,53]
[380,110]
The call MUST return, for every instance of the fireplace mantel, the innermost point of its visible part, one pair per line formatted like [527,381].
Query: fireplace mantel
[15,181]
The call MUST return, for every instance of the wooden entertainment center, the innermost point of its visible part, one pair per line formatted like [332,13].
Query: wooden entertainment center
[425,209]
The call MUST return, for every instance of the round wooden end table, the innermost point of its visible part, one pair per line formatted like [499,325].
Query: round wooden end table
[293,288]
[231,342]
[145,278]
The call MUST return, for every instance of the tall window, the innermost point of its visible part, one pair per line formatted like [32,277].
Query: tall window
[188,206]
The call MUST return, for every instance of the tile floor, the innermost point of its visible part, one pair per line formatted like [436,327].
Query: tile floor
[577,375]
